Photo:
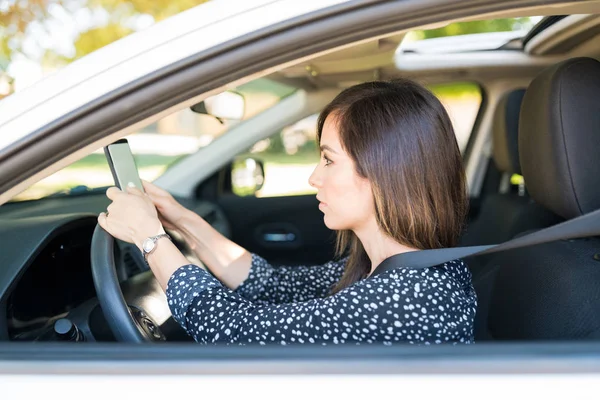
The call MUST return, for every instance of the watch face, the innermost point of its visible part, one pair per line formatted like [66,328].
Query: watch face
[148,245]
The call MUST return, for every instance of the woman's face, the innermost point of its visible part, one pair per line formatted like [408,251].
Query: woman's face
[346,198]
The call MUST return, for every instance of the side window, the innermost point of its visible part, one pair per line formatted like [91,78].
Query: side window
[462,100]
[160,144]
[288,157]
[154,148]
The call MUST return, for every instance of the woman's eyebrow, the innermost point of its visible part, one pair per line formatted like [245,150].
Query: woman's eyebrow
[325,147]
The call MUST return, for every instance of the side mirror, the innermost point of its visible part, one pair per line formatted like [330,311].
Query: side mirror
[247,176]
[227,105]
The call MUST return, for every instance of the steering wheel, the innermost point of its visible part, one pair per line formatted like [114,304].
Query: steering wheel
[128,323]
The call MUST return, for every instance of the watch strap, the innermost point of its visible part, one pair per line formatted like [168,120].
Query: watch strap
[154,240]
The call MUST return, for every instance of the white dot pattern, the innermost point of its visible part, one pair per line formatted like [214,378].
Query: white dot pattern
[291,305]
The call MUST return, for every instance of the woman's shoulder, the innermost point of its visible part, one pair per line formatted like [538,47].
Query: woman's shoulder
[453,267]
[450,273]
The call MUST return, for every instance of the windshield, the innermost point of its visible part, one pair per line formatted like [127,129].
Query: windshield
[158,145]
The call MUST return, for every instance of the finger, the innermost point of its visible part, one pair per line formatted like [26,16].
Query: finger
[102,220]
[113,192]
[151,189]
[156,198]
[134,190]
[147,185]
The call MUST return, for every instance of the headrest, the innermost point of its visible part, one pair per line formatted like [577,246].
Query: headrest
[559,137]
[506,132]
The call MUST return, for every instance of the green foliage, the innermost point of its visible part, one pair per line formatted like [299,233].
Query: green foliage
[120,12]
[469,27]
[4,52]
[97,38]
[266,86]
[159,9]
[96,160]
[456,89]
[17,16]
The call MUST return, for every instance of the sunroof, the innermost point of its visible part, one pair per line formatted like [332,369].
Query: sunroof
[467,36]
[521,25]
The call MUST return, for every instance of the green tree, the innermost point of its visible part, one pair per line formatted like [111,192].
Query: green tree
[18,16]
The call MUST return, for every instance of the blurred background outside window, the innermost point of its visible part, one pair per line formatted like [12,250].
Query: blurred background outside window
[38,37]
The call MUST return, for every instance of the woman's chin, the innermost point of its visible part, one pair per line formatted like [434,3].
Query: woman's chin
[331,224]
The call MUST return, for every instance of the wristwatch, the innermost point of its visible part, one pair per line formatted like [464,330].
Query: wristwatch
[149,244]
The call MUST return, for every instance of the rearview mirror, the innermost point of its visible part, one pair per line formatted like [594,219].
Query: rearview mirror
[227,105]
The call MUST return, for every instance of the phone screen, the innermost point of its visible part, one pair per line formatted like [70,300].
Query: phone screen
[122,165]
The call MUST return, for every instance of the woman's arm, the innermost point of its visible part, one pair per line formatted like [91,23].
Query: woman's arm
[133,217]
[228,261]
[267,284]
[249,274]
[417,306]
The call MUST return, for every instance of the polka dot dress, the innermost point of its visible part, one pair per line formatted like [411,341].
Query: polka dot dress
[292,305]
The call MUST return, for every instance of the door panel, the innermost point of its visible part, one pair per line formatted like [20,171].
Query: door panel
[284,230]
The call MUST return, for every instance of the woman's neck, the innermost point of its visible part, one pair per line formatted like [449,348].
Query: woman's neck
[378,245]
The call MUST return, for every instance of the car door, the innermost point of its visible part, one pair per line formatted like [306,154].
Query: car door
[281,220]
[285,230]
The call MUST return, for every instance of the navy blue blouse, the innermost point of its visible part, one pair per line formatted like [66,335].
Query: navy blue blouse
[289,305]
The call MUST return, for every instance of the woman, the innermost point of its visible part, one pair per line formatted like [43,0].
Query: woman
[390,181]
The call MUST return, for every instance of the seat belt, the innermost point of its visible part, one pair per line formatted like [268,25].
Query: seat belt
[583,226]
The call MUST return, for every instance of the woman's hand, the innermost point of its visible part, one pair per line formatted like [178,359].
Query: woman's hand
[170,211]
[131,216]
[228,261]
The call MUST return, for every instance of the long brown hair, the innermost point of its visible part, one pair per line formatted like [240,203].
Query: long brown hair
[401,139]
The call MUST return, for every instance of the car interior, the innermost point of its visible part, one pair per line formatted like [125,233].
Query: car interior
[530,155]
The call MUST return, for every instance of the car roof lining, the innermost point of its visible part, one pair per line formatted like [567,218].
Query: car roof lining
[565,35]
[375,59]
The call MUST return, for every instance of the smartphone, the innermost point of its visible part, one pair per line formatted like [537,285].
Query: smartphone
[122,165]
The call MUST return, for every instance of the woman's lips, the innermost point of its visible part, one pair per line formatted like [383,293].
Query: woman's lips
[321,203]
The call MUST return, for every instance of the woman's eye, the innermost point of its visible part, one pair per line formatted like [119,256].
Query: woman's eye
[327,161]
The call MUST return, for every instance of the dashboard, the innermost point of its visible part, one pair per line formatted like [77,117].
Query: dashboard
[58,279]
[45,269]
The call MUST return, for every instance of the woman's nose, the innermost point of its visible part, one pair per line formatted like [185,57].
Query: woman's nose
[315,180]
